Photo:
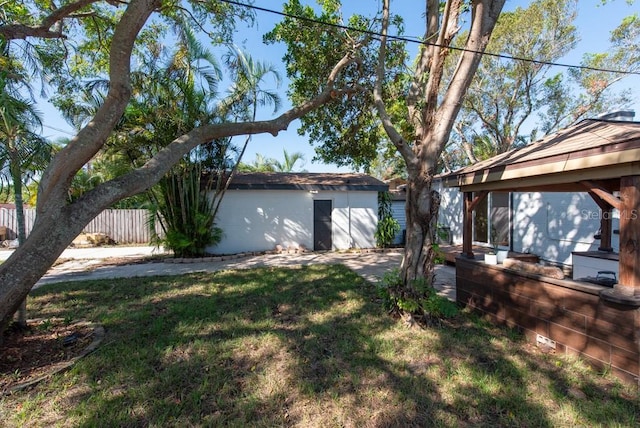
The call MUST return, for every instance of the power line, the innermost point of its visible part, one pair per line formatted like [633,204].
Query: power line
[59,130]
[413,40]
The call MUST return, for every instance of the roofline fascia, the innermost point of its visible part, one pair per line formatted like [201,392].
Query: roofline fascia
[561,179]
[310,187]
[568,163]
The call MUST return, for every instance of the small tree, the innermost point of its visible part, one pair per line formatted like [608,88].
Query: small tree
[289,162]
[388,227]
[185,213]
[504,92]
[507,94]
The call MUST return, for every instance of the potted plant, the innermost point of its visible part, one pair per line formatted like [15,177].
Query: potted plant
[491,258]
[502,254]
[496,255]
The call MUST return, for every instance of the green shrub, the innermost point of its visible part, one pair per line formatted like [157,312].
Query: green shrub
[386,230]
[185,213]
[388,227]
[420,298]
[439,257]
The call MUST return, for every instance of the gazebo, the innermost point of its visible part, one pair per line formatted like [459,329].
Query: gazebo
[601,157]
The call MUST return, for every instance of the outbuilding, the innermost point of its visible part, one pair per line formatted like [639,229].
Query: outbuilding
[312,211]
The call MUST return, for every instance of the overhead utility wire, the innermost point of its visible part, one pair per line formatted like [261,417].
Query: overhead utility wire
[411,40]
[59,130]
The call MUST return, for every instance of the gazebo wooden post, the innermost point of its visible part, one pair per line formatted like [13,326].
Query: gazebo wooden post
[605,222]
[629,280]
[467,225]
[470,204]
[605,229]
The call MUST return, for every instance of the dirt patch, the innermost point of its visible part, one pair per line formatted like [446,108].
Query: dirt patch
[43,348]
[61,263]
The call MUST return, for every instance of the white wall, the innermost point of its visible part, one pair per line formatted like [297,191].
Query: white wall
[451,209]
[354,217]
[253,220]
[258,220]
[399,214]
[549,224]
[552,225]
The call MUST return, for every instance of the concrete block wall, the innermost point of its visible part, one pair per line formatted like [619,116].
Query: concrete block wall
[569,313]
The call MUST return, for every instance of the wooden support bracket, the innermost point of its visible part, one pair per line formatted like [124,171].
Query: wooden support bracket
[479,197]
[594,189]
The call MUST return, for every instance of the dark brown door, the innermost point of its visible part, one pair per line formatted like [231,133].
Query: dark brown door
[322,225]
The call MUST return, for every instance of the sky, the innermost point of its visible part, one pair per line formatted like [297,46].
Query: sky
[594,22]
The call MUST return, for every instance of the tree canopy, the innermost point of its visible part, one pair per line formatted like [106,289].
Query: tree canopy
[104,43]
[410,106]
[512,102]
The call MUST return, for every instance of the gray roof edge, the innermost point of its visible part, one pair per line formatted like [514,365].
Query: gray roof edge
[308,187]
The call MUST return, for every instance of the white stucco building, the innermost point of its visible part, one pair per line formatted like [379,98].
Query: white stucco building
[549,224]
[312,210]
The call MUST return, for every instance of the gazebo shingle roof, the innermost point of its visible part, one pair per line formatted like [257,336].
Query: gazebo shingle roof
[591,149]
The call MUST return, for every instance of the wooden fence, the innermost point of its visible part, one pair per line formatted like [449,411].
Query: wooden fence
[123,226]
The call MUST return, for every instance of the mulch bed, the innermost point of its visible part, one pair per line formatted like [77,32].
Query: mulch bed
[43,348]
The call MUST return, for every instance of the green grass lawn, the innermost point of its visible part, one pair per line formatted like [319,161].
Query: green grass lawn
[298,347]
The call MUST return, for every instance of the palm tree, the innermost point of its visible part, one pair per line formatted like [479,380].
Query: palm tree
[246,95]
[23,153]
[260,164]
[265,164]
[175,92]
[289,161]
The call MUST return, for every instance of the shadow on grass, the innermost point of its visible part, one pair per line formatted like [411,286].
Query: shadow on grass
[300,347]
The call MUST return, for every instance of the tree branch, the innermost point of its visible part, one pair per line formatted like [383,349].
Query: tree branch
[416,92]
[448,29]
[21,31]
[485,14]
[140,179]
[466,145]
[57,178]
[395,137]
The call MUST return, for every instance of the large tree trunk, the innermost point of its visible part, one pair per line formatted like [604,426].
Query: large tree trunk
[421,218]
[433,113]
[32,259]
[58,223]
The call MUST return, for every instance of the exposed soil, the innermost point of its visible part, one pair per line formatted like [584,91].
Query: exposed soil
[43,348]
[46,346]
[111,261]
